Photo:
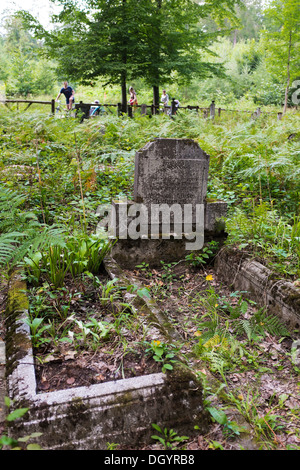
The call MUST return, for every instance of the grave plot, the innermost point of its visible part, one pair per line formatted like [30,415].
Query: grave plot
[85,402]
[122,336]
[100,338]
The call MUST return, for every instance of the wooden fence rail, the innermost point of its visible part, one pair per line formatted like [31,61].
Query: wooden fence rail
[29,103]
[85,108]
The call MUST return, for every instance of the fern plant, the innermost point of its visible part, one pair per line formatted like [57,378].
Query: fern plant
[259,325]
[21,232]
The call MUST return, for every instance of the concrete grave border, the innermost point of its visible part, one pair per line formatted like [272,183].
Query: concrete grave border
[87,418]
[279,296]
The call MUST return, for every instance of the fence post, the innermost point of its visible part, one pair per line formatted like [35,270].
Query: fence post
[212,110]
[52,106]
[173,107]
[219,112]
[129,111]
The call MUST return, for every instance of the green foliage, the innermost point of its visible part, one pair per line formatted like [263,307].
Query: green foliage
[202,257]
[265,425]
[268,235]
[282,41]
[91,333]
[229,427]
[168,438]
[260,324]
[222,330]
[122,42]
[14,443]
[22,234]
[36,331]
[162,353]
[23,70]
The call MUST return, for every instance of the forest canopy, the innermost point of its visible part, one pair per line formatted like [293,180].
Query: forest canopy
[226,50]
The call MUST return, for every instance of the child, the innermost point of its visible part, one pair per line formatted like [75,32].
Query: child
[133,98]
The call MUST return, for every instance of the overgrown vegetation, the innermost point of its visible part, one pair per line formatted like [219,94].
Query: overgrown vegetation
[55,171]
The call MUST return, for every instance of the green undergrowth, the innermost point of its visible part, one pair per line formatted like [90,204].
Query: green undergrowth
[55,173]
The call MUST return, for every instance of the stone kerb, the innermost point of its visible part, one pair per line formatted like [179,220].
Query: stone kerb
[278,296]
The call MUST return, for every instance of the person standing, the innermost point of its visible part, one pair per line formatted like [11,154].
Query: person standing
[133,97]
[164,98]
[69,93]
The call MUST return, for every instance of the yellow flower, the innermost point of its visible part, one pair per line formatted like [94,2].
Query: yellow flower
[209,277]
[156,343]
[216,305]
[197,333]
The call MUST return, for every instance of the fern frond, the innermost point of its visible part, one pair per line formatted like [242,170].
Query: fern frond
[244,326]
[216,361]
[9,199]
[260,324]
[15,245]
[216,341]
[8,244]
[269,323]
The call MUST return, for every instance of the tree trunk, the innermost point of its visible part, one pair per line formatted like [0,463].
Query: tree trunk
[156,60]
[124,72]
[288,75]
[124,94]
[234,38]
[156,98]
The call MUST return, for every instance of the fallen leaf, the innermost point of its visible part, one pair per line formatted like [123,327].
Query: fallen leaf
[70,380]
[99,377]
[44,385]
[193,446]
[69,355]
[49,358]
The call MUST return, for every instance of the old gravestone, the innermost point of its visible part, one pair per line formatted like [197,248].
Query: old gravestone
[169,173]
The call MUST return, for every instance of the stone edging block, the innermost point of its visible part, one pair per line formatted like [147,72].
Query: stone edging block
[279,296]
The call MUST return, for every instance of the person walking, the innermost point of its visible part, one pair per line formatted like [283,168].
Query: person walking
[69,93]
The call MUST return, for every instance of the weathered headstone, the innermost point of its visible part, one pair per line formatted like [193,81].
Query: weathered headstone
[170,188]
[169,171]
